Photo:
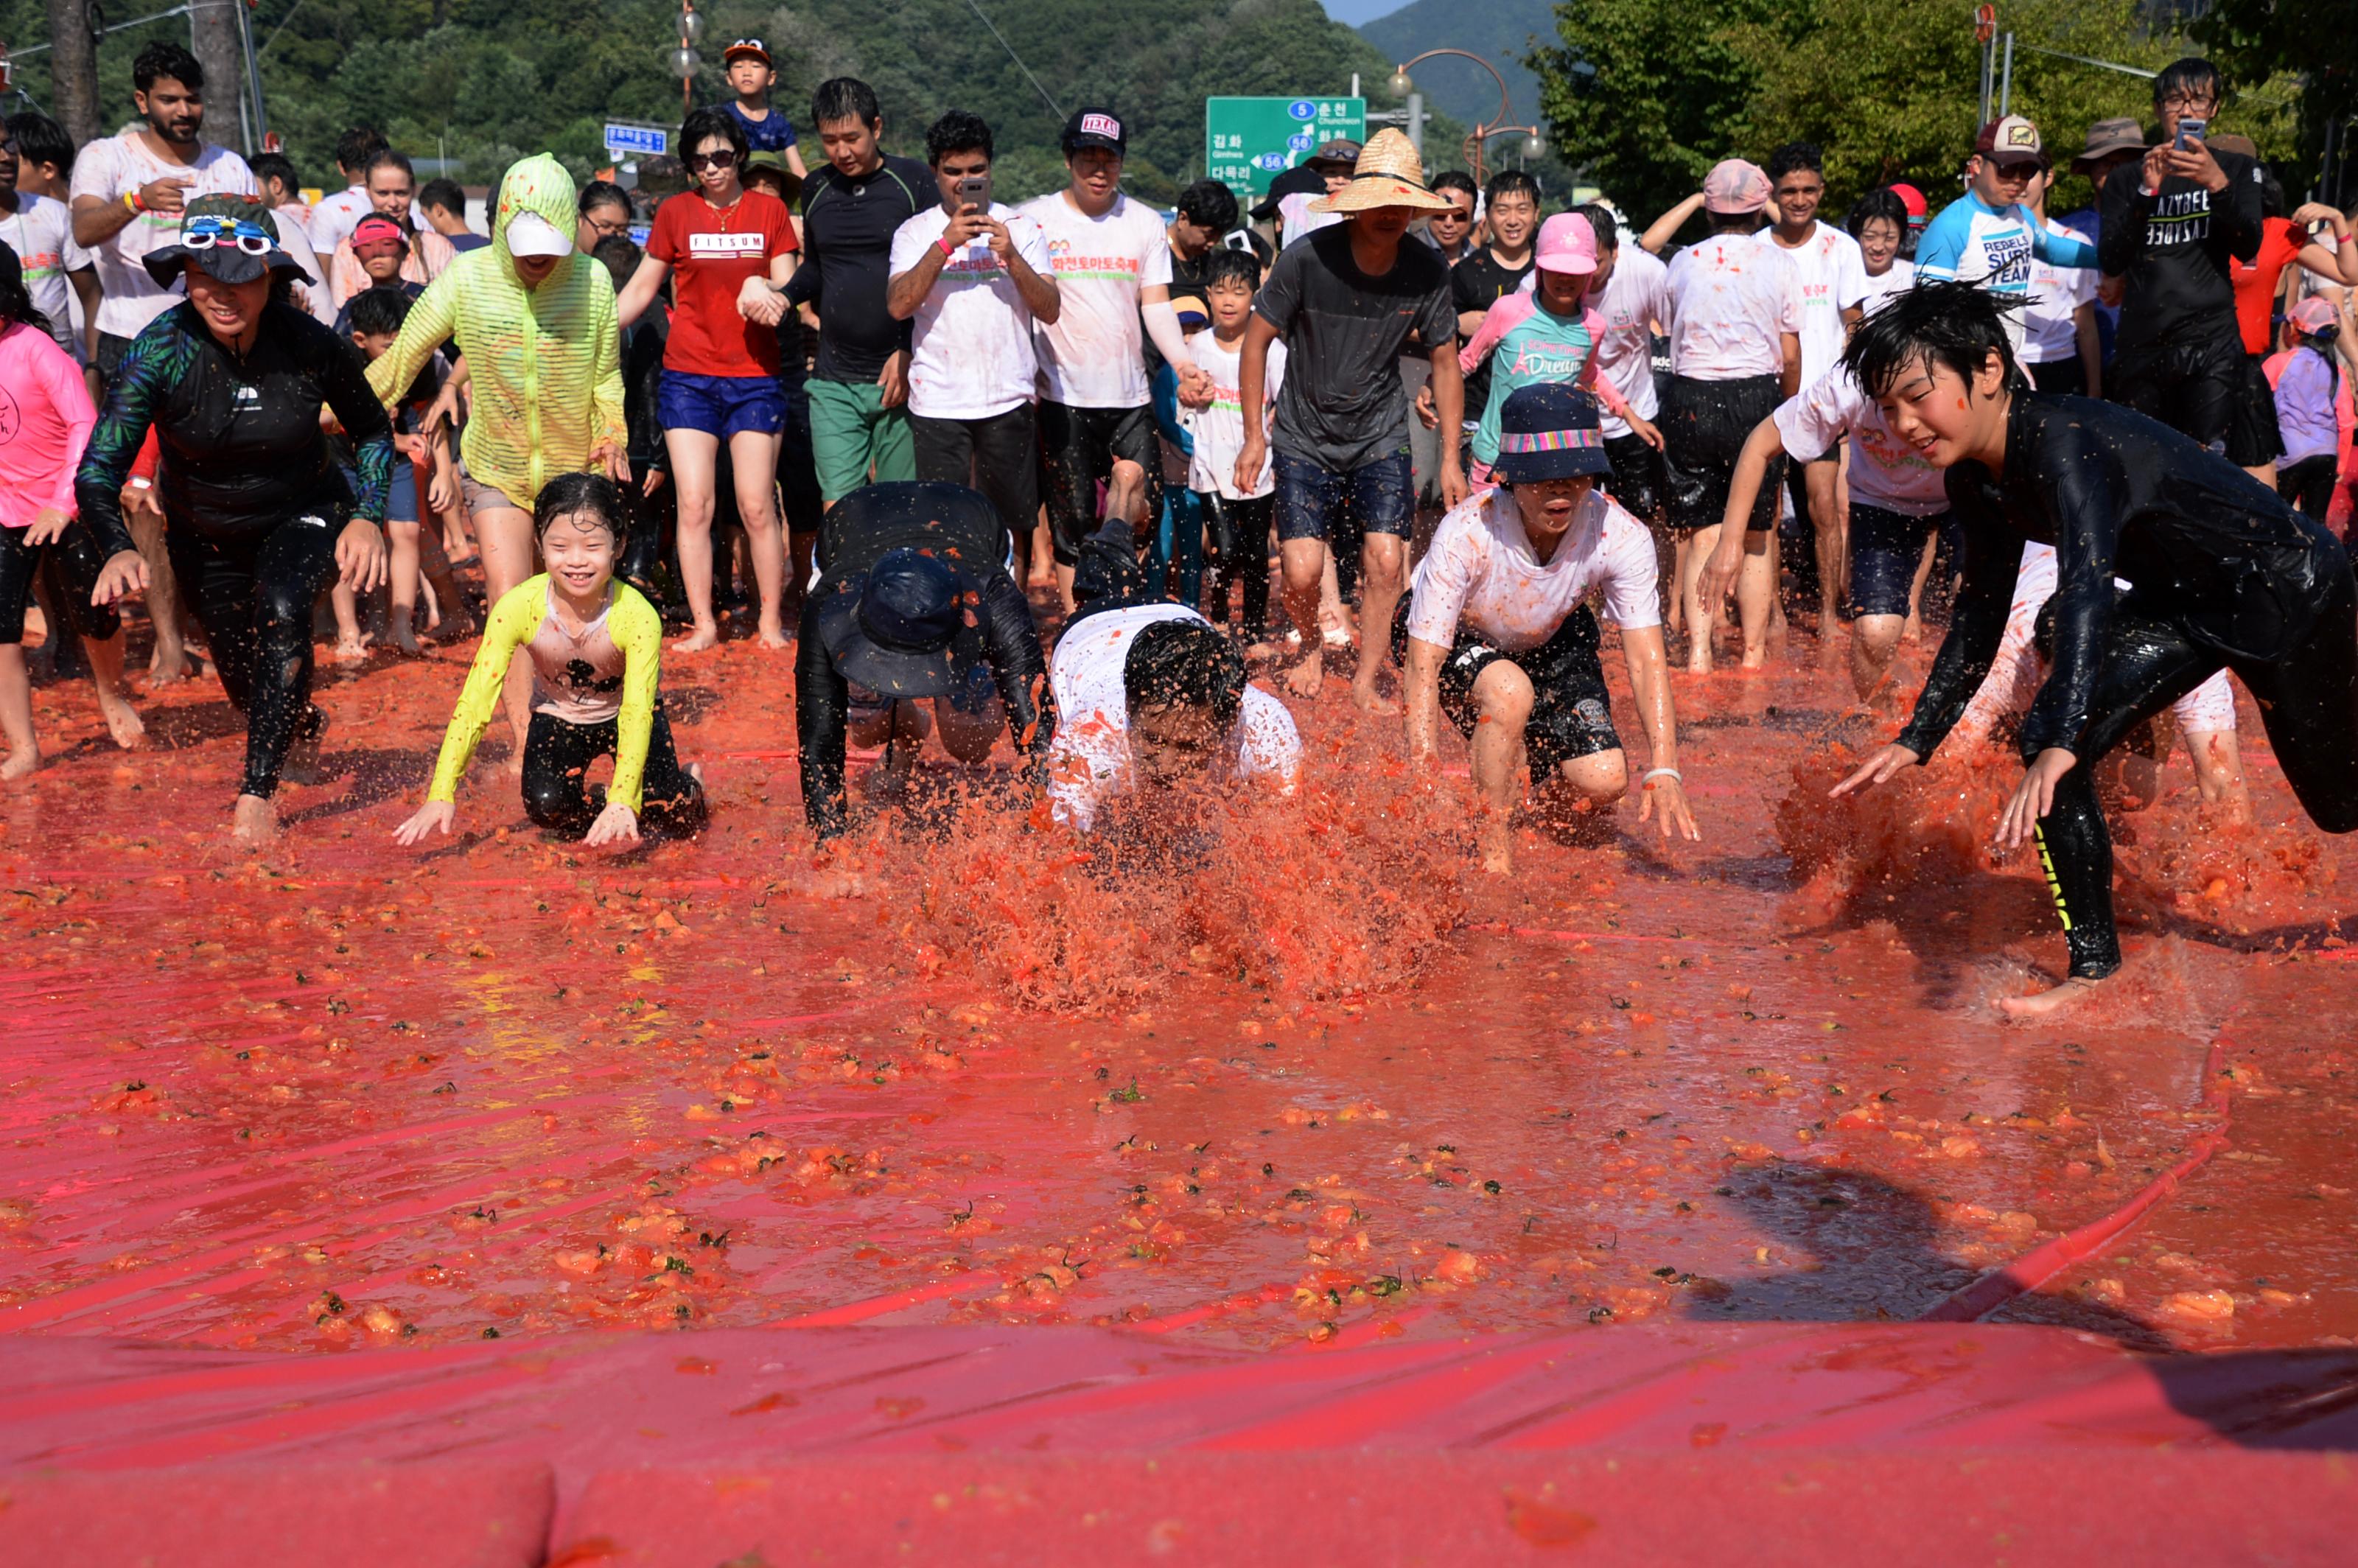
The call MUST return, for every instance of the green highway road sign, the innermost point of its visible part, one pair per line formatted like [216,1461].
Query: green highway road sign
[1248,142]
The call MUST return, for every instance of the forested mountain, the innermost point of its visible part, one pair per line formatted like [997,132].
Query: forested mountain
[1500,31]
[480,81]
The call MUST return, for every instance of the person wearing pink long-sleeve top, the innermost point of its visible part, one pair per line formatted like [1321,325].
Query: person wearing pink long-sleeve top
[46,419]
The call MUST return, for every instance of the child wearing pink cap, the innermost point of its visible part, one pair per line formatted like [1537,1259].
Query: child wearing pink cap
[1547,334]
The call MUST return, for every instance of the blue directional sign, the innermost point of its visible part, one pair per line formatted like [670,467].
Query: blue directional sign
[636,141]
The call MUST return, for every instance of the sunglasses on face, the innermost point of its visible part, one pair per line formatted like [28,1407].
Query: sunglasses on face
[206,232]
[723,159]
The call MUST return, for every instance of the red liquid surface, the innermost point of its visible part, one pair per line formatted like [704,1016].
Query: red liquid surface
[1323,1081]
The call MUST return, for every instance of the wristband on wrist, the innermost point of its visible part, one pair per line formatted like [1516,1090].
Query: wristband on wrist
[948,249]
[1663,772]
[133,204]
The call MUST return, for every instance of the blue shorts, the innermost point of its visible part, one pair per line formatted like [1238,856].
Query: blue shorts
[400,496]
[1884,547]
[1310,497]
[720,405]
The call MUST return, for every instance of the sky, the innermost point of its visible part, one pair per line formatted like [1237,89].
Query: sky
[1356,11]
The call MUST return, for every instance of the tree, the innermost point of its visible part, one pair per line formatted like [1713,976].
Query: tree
[2251,40]
[73,69]
[213,38]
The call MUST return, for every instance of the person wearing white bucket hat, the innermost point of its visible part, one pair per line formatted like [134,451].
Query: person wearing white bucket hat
[1347,300]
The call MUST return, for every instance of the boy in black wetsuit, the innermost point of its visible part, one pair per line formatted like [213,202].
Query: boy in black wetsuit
[2227,576]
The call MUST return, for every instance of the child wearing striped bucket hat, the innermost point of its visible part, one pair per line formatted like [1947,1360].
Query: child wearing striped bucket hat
[1497,634]
[1346,300]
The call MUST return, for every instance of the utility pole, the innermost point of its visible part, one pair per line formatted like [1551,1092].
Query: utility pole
[73,69]
[213,40]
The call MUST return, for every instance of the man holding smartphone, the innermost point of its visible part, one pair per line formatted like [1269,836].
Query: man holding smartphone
[2173,233]
[974,276]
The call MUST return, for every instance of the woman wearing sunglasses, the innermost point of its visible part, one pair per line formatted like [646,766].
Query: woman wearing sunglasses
[258,517]
[729,245]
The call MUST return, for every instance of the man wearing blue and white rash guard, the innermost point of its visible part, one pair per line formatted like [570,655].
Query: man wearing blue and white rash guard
[1987,235]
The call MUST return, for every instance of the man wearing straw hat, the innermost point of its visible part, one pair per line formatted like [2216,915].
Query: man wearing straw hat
[1346,300]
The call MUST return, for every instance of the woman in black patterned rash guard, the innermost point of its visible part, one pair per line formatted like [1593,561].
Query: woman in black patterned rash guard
[258,517]
[2225,575]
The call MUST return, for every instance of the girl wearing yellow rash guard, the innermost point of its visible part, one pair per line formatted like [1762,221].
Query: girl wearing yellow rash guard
[595,647]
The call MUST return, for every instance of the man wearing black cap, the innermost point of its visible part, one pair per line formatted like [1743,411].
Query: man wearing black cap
[1111,262]
[914,600]
[1497,633]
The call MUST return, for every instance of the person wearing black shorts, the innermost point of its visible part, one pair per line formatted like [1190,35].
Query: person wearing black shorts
[2225,575]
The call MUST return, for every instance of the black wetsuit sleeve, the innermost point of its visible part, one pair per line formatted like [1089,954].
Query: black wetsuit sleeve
[343,381]
[2235,213]
[803,287]
[821,705]
[1107,572]
[2125,208]
[2077,484]
[1992,559]
[154,358]
[1012,645]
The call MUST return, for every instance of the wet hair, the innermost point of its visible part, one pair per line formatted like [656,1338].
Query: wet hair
[385,158]
[278,166]
[568,493]
[1209,205]
[2191,77]
[2272,193]
[1224,265]
[706,123]
[446,194]
[1880,203]
[1603,224]
[1455,180]
[603,194]
[1185,663]
[357,146]
[619,255]
[1951,324]
[1511,182]
[378,311]
[160,60]
[16,299]
[40,139]
[1793,158]
[845,98]
[957,131]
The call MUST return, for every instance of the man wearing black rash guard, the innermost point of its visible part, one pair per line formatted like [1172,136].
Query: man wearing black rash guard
[2227,576]
[914,600]
[2170,229]
[258,517]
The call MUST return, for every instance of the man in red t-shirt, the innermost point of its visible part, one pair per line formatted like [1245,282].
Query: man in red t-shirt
[728,251]
[2253,441]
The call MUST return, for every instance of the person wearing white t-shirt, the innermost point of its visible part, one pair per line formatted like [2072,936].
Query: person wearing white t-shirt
[41,231]
[1149,698]
[2060,345]
[1630,290]
[1735,353]
[330,223]
[974,276]
[1497,633]
[129,191]
[1237,520]
[1897,502]
[1829,282]
[1879,222]
[1111,262]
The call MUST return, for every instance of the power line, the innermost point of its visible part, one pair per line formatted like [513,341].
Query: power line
[1018,59]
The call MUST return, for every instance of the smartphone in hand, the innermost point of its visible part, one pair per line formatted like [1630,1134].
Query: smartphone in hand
[974,191]
[2190,131]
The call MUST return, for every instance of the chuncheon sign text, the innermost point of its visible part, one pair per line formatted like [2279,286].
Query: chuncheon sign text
[1248,142]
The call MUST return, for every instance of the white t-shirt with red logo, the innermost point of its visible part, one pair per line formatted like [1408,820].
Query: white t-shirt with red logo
[1220,428]
[1636,296]
[1730,302]
[41,231]
[973,357]
[2049,332]
[1884,470]
[110,169]
[1829,277]
[1482,575]
[1093,353]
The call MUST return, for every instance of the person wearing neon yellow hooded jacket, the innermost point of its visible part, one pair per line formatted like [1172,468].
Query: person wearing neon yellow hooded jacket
[534,322]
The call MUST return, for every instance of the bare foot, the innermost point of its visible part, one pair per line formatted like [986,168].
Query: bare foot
[302,764]
[406,641]
[772,638]
[254,822]
[165,667]
[700,639]
[1694,668]
[1912,631]
[123,723]
[2070,994]
[1262,648]
[1368,699]
[1755,659]
[1305,675]
[21,762]
[349,649]
[1336,636]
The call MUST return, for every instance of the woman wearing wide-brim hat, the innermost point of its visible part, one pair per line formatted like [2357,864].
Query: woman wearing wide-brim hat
[257,516]
[1347,300]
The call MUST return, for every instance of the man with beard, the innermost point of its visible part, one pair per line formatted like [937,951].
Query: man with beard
[130,191]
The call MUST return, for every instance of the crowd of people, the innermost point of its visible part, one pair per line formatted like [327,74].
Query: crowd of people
[1030,471]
